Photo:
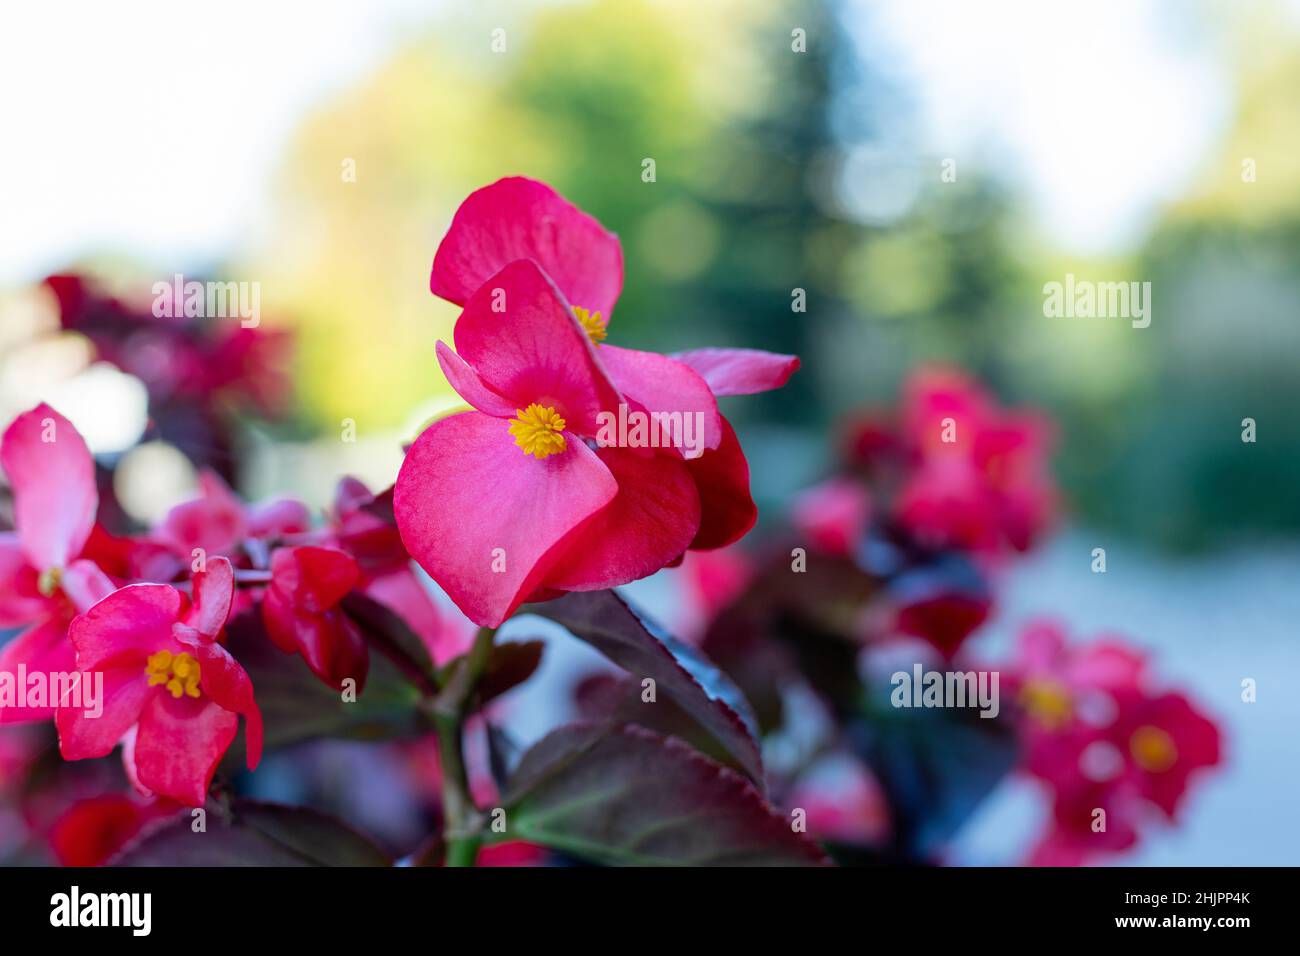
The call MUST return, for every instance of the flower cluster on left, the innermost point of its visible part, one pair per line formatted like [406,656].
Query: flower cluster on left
[122,639]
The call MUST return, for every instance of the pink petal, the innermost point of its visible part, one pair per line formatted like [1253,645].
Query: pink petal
[740,371]
[534,351]
[53,484]
[518,218]
[662,384]
[222,679]
[214,521]
[650,522]
[42,648]
[86,584]
[278,616]
[1110,664]
[178,745]
[727,511]
[470,387]
[129,624]
[467,498]
[312,578]
[82,736]
[1041,648]
[329,642]
[278,517]
[20,600]
[214,592]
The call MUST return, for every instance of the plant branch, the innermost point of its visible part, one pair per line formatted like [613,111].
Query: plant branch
[462,822]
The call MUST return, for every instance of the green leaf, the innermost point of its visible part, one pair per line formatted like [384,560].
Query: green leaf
[684,675]
[629,796]
[254,834]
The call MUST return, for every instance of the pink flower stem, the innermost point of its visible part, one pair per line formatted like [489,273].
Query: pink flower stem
[462,821]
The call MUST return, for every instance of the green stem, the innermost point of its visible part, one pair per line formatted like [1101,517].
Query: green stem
[462,822]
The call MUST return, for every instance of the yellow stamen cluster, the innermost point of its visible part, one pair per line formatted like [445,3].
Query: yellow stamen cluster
[179,672]
[50,581]
[1153,749]
[538,431]
[596,327]
[1047,701]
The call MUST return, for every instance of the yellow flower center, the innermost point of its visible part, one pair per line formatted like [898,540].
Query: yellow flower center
[179,672]
[49,581]
[1047,701]
[1153,749]
[595,326]
[538,431]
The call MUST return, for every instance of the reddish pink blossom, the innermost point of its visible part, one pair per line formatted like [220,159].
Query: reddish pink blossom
[172,695]
[179,358]
[301,612]
[539,280]
[517,218]
[1100,737]
[559,515]
[43,583]
[978,477]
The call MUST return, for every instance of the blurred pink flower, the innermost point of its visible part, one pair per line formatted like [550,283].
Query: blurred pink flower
[833,515]
[977,477]
[1102,739]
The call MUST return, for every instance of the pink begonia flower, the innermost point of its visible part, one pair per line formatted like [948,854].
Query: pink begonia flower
[388,575]
[978,476]
[539,279]
[1100,738]
[301,612]
[43,583]
[517,218]
[172,694]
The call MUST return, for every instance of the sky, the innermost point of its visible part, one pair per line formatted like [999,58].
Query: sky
[152,129]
